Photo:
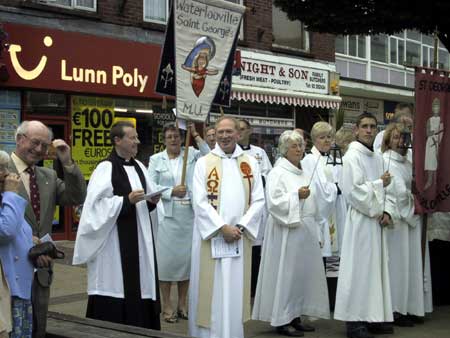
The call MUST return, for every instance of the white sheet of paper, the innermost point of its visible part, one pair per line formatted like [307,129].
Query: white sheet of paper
[222,249]
[153,194]
[46,238]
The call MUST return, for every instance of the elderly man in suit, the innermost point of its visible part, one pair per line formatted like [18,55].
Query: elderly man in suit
[43,190]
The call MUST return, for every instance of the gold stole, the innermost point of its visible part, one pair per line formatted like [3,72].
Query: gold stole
[207,263]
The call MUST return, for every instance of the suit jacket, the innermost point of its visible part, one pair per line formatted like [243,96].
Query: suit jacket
[53,191]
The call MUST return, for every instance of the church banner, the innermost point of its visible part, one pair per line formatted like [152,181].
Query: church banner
[205,31]
[432,140]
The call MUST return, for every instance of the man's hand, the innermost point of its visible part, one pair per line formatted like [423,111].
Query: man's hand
[136,196]
[179,191]
[230,233]
[385,220]
[386,177]
[62,151]
[12,182]
[43,261]
[303,193]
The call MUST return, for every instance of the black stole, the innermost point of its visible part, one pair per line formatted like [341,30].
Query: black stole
[128,234]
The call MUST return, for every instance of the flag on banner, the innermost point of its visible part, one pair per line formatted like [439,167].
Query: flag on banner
[166,74]
[205,31]
[431,139]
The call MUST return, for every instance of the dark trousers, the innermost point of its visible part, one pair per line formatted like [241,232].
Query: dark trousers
[256,260]
[40,296]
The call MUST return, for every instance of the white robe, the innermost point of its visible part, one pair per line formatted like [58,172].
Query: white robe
[97,242]
[292,278]
[264,166]
[227,306]
[363,292]
[404,240]
[326,194]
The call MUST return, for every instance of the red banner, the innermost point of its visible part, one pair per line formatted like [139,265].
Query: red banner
[432,140]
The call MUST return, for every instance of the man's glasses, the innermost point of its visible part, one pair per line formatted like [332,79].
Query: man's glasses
[36,143]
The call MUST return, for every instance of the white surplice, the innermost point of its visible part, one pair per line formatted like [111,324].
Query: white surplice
[316,163]
[363,292]
[292,278]
[404,240]
[227,298]
[97,242]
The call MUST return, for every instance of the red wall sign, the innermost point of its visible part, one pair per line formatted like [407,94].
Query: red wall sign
[45,58]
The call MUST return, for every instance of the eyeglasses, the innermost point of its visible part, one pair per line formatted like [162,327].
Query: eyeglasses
[36,143]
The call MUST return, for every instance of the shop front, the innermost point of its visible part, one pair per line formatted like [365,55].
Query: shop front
[78,85]
[276,93]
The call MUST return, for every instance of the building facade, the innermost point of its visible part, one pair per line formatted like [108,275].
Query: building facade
[77,65]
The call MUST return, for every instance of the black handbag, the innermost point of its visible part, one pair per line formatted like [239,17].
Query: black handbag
[45,248]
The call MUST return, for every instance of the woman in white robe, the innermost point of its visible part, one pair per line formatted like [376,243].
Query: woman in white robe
[292,279]
[404,237]
[322,134]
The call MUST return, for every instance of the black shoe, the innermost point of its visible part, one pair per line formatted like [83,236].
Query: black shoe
[380,328]
[299,326]
[287,330]
[402,320]
[358,332]
[416,319]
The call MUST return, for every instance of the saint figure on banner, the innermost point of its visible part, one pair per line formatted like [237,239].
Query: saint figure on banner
[197,63]
[435,132]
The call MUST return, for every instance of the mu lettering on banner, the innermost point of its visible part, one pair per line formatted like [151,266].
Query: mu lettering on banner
[205,34]
[432,140]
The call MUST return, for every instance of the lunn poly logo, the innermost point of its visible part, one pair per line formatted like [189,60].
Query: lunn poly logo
[28,74]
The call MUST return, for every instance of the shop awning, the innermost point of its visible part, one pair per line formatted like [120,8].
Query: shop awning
[268,95]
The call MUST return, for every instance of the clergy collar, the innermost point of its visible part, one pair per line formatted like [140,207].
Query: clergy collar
[365,145]
[247,147]
[317,152]
[358,146]
[218,151]
[124,161]
[287,165]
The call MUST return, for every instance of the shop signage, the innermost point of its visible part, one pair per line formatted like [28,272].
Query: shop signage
[282,76]
[354,106]
[92,119]
[52,59]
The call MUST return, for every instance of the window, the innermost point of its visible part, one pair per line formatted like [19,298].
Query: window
[156,11]
[341,44]
[286,33]
[88,5]
[379,48]
[354,45]
[412,54]
[443,59]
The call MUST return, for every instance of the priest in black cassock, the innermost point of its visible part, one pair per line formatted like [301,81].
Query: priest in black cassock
[116,240]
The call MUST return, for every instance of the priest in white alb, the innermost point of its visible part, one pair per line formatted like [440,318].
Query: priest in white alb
[228,201]
[292,278]
[115,237]
[363,297]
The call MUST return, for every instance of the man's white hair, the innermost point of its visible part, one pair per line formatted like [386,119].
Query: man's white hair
[4,158]
[22,129]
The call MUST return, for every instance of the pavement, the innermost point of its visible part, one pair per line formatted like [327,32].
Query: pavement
[68,296]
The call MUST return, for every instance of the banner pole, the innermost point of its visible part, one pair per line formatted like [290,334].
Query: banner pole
[186,154]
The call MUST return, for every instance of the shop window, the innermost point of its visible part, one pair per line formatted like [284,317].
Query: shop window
[379,48]
[9,117]
[443,58]
[88,5]
[288,34]
[426,56]
[45,103]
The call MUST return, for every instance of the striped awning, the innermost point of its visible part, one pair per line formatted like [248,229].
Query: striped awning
[265,95]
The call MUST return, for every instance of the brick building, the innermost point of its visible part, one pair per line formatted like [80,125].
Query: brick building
[77,64]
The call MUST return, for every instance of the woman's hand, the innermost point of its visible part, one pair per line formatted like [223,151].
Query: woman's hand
[303,193]
[179,191]
[12,182]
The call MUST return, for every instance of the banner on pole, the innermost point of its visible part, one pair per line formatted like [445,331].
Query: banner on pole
[205,36]
[431,140]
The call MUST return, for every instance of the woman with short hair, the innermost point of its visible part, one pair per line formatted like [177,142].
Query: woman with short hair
[292,278]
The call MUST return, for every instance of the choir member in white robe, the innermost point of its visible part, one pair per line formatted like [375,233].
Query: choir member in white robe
[115,237]
[404,236]
[363,295]
[219,311]
[264,166]
[316,163]
[292,278]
